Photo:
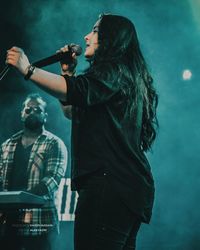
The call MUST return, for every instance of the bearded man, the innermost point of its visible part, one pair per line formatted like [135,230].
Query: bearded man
[32,160]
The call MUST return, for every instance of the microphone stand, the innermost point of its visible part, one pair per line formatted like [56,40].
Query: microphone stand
[4,72]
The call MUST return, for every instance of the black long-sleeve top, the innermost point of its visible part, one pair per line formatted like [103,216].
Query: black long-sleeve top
[105,136]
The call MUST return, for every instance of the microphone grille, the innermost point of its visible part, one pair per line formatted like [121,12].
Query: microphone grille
[76,49]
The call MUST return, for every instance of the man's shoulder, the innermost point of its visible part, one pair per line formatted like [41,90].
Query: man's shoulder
[51,138]
[51,141]
[13,138]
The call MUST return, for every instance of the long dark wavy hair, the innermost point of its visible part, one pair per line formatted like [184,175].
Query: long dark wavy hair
[119,60]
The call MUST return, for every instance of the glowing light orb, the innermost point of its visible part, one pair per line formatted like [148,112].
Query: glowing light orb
[187,74]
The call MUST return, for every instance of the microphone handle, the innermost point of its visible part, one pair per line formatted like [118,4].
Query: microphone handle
[66,56]
[61,56]
[53,59]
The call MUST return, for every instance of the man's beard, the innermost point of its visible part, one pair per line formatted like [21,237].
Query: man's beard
[33,123]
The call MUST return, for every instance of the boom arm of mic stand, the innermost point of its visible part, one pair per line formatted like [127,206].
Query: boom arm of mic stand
[4,72]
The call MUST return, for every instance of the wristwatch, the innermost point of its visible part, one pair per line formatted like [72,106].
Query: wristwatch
[31,69]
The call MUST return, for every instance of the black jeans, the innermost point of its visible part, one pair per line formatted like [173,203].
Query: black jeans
[102,220]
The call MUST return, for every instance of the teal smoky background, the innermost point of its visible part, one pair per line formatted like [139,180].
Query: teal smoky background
[169,34]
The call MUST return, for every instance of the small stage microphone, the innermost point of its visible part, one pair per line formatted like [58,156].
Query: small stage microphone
[65,57]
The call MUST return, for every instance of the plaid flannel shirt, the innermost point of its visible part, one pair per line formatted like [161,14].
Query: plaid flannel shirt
[47,165]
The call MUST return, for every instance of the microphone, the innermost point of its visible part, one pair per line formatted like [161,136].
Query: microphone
[66,57]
